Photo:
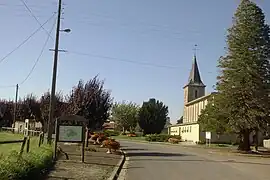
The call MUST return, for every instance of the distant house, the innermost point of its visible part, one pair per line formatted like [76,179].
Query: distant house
[20,125]
[108,125]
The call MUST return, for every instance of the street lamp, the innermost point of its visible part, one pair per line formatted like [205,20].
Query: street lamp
[52,96]
[65,30]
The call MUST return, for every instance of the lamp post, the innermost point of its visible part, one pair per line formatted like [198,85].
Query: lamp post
[52,95]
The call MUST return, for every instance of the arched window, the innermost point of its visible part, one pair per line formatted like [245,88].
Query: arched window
[196,94]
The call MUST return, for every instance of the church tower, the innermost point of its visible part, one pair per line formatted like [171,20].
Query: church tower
[194,88]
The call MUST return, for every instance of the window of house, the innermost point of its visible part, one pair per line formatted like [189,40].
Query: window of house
[190,129]
[196,94]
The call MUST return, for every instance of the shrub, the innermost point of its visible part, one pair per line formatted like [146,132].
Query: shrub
[132,135]
[173,140]
[28,166]
[160,137]
[109,133]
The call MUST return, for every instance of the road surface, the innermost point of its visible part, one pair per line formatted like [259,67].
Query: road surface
[166,162]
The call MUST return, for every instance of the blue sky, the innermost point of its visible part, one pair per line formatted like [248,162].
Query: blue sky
[118,36]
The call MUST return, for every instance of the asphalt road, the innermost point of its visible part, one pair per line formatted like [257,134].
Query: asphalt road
[165,162]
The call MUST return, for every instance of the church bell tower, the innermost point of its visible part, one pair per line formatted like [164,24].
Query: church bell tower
[194,88]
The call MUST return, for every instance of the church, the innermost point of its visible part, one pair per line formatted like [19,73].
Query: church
[195,100]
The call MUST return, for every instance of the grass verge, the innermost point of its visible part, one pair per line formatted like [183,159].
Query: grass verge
[30,165]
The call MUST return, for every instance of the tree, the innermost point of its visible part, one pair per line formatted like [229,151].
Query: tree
[6,113]
[125,115]
[180,121]
[243,85]
[214,119]
[45,107]
[90,100]
[28,108]
[153,116]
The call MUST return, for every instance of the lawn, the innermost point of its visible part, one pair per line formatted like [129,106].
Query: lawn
[29,165]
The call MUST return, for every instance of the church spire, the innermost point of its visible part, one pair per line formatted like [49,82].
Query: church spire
[194,77]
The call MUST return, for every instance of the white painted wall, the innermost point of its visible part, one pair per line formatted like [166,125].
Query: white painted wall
[187,132]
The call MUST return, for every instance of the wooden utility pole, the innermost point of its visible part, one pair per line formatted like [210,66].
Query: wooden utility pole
[52,95]
[15,105]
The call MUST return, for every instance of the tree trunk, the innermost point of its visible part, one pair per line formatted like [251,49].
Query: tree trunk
[244,144]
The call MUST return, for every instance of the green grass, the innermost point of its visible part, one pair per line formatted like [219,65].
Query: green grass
[29,165]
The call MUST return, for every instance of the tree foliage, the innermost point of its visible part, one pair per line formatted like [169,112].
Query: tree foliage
[243,84]
[44,101]
[180,121]
[153,116]
[214,119]
[125,115]
[90,100]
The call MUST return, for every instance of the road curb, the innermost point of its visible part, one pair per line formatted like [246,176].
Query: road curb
[117,169]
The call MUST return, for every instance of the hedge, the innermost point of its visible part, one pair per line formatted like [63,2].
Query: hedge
[160,137]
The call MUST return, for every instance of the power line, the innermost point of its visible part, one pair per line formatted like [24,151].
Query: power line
[29,37]
[33,15]
[40,54]
[124,60]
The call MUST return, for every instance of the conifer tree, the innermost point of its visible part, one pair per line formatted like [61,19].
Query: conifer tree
[244,81]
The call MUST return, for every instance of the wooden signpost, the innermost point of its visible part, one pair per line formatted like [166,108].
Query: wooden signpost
[72,129]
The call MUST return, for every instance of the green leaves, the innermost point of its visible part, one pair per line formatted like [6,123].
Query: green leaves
[152,116]
[125,114]
[241,104]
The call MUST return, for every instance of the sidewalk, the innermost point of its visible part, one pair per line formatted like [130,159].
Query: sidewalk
[98,165]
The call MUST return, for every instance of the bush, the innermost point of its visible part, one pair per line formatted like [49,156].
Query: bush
[29,166]
[109,133]
[160,137]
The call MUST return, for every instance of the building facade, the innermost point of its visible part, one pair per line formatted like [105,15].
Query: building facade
[195,100]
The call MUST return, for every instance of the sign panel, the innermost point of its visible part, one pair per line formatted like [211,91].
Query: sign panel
[208,135]
[70,133]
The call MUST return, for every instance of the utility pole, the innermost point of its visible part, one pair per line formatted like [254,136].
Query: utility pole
[15,105]
[52,96]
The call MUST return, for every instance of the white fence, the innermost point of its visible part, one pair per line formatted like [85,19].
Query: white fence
[22,131]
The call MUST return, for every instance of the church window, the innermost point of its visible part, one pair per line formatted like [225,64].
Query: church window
[196,94]
[190,129]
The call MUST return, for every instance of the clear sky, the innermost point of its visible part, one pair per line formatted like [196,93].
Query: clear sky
[116,39]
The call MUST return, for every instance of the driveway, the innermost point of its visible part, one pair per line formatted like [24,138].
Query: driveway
[164,162]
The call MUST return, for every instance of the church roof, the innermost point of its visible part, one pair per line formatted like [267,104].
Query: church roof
[194,76]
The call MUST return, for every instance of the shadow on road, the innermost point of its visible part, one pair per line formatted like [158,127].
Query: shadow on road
[157,154]
[58,177]
[133,149]
[205,160]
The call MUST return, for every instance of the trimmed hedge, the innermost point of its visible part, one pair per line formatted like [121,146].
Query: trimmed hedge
[109,133]
[160,137]
[30,166]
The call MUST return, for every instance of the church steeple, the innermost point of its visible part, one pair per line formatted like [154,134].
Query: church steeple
[194,88]
[194,76]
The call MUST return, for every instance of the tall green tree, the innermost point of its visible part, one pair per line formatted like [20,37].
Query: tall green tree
[214,119]
[153,116]
[244,81]
[125,115]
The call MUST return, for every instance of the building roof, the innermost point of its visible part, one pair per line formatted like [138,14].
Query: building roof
[194,76]
[200,98]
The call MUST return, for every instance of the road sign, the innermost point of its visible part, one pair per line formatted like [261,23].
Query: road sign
[208,135]
[70,133]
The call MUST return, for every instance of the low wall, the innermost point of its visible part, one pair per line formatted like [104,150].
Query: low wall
[266,143]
